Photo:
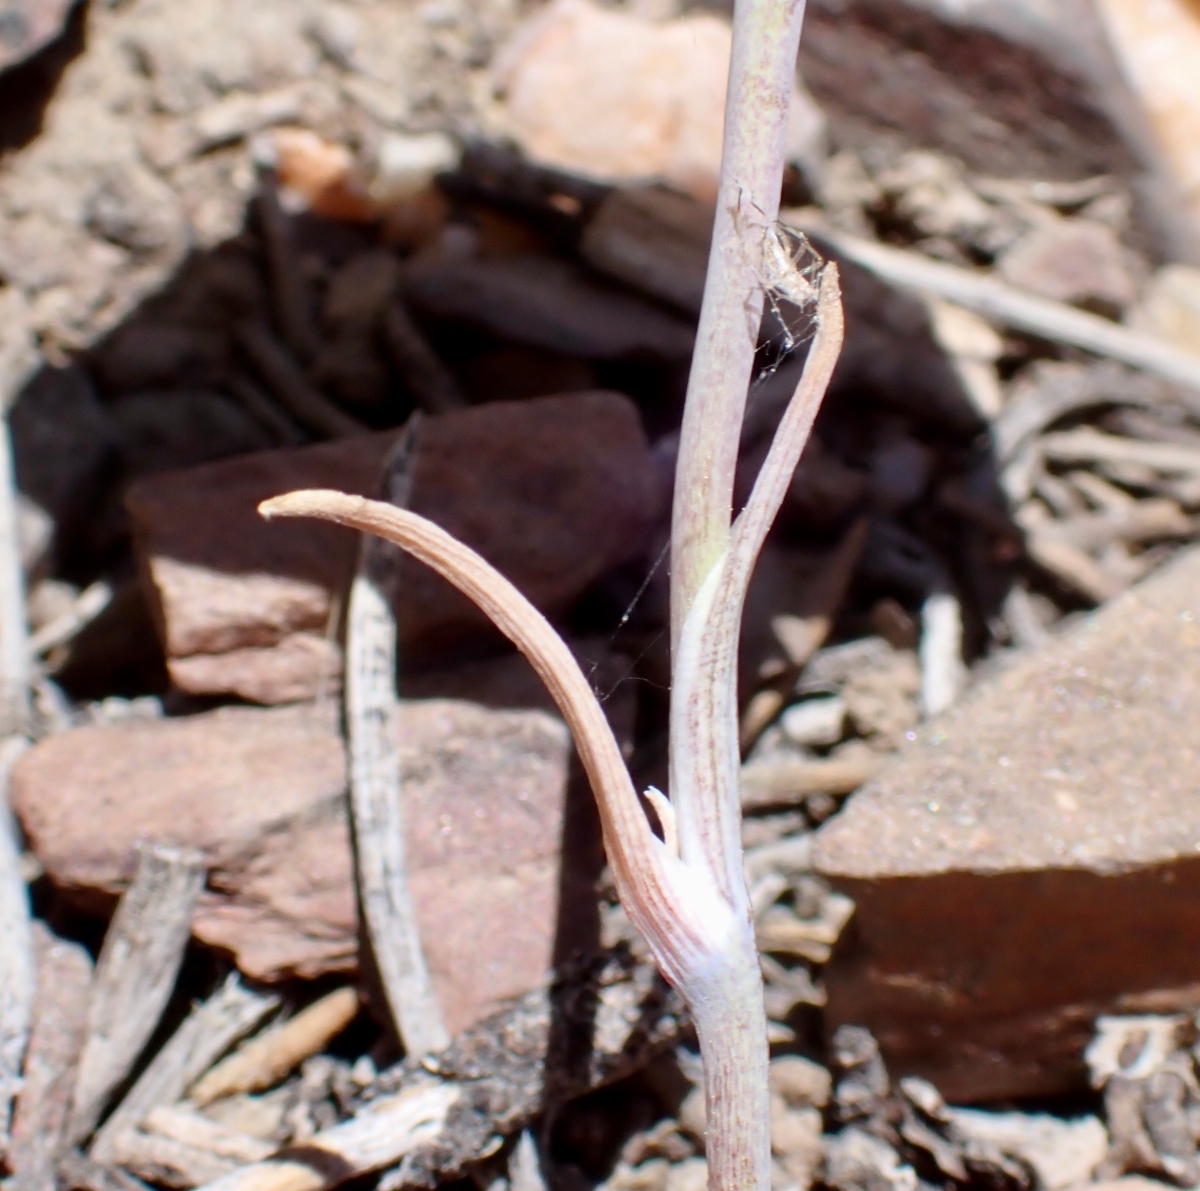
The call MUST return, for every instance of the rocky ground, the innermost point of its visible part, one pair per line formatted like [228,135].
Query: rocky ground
[452,254]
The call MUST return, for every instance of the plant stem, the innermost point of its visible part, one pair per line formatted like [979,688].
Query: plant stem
[726,995]
[766,38]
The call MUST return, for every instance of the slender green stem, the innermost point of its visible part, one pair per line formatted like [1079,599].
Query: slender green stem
[708,586]
[766,38]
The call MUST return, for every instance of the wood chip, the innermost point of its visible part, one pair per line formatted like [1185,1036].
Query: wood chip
[1086,445]
[491,1081]
[135,973]
[380,1135]
[78,1172]
[267,1058]
[64,980]
[206,1034]
[192,1128]
[169,1163]
[789,782]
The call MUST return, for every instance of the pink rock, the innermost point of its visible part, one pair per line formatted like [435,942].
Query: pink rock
[612,96]
[491,809]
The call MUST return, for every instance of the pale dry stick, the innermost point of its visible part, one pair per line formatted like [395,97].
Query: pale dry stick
[380,1135]
[1011,307]
[206,1034]
[18,974]
[64,977]
[1088,445]
[496,1074]
[17,968]
[165,1161]
[186,1125]
[943,673]
[288,382]
[135,974]
[265,1059]
[1138,523]
[376,805]
[84,609]
[14,645]
[423,374]
[525,1166]
[78,1172]
[789,783]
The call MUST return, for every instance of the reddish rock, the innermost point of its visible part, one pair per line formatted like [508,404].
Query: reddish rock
[218,782]
[1033,859]
[613,96]
[492,806]
[553,492]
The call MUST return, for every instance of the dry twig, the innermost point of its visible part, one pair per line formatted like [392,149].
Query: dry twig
[64,977]
[789,783]
[375,795]
[597,1025]
[266,1059]
[1042,317]
[209,1030]
[135,974]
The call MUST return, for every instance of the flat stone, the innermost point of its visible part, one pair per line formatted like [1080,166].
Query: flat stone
[617,97]
[1073,260]
[554,492]
[501,834]
[549,304]
[1033,859]
[218,782]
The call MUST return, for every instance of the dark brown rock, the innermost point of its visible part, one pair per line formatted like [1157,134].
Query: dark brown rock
[655,240]
[62,442]
[1033,859]
[548,304]
[553,492]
